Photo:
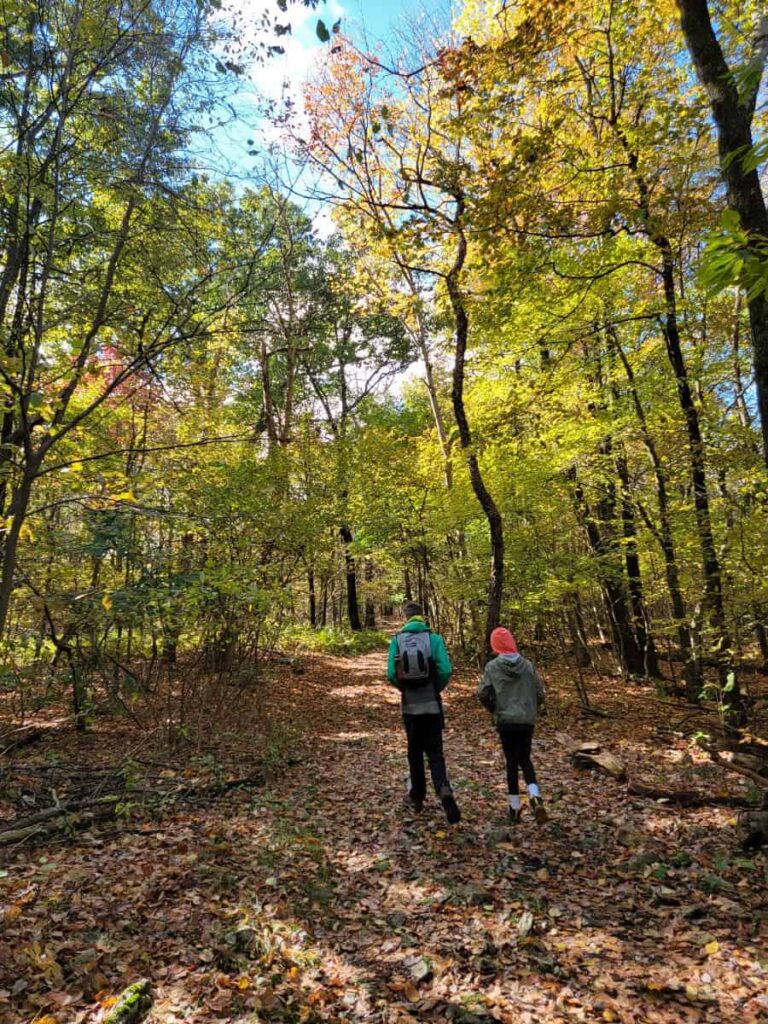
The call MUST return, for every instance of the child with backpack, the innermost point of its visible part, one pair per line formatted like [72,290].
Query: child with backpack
[512,691]
[419,667]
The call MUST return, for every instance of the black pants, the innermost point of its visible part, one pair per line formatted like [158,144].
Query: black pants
[425,736]
[516,744]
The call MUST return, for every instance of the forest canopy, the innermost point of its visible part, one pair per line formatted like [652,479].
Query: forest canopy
[534,339]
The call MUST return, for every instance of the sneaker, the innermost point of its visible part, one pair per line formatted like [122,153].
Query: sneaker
[451,808]
[539,810]
[515,814]
[413,802]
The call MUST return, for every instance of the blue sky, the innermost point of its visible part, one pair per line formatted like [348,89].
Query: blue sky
[366,21]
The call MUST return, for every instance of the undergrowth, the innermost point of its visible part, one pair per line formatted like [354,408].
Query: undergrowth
[332,640]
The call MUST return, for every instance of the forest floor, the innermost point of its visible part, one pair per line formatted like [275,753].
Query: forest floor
[318,896]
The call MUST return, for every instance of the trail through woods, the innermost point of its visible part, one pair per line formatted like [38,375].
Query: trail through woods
[319,897]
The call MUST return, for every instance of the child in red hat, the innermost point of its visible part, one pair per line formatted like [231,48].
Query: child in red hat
[512,691]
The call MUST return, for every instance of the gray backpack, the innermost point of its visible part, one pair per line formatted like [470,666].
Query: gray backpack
[414,658]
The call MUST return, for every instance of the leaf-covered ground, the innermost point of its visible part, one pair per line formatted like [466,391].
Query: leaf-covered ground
[319,897]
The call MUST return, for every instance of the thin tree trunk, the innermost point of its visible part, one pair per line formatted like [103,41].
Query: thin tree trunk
[718,637]
[632,562]
[713,591]
[663,534]
[488,505]
[370,607]
[312,598]
[611,583]
[353,608]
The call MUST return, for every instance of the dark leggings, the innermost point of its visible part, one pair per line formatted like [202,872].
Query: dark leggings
[516,744]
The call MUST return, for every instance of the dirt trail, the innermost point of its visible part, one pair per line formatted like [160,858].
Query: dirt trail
[321,898]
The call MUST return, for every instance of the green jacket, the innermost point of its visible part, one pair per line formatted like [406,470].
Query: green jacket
[443,666]
[512,690]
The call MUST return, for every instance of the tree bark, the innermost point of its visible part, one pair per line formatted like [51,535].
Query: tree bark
[733,113]
[370,607]
[632,562]
[483,495]
[663,534]
[611,584]
[713,591]
[353,608]
[312,598]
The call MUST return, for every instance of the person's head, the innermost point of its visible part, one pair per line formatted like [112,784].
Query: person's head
[411,608]
[502,641]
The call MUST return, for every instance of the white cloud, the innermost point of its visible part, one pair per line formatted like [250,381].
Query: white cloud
[302,45]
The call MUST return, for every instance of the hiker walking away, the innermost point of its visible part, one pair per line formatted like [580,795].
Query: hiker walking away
[512,691]
[419,666]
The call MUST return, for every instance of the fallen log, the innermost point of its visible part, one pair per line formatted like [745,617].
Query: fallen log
[76,812]
[44,829]
[688,797]
[18,738]
[80,813]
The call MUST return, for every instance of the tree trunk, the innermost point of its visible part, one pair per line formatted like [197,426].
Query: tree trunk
[370,607]
[713,591]
[733,113]
[575,618]
[664,535]
[611,583]
[632,562]
[16,512]
[353,609]
[312,598]
[324,603]
[488,505]
[761,635]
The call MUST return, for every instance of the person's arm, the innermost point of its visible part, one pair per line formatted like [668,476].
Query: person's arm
[391,670]
[443,666]
[486,693]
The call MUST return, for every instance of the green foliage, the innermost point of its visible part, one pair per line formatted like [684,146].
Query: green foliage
[732,259]
[333,641]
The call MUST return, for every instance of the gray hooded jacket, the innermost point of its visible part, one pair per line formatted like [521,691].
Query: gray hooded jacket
[512,690]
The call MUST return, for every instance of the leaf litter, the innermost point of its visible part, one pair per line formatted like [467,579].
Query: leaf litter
[319,897]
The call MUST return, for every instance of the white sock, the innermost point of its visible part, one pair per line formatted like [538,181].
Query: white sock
[514,801]
[533,790]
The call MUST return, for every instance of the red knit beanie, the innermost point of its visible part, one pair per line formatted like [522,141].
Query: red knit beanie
[502,641]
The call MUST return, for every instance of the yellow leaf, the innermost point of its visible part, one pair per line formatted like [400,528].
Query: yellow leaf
[609,1014]
[76,467]
[124,496]
[243,983]
[440,834]
[47,1019]
[25,533]
[107,602]
[712,947]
